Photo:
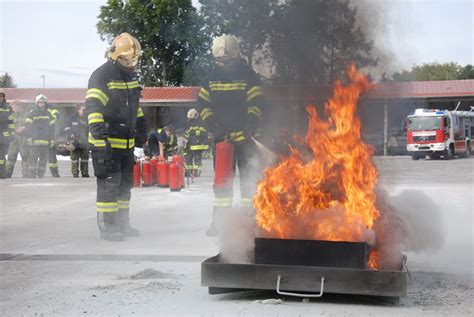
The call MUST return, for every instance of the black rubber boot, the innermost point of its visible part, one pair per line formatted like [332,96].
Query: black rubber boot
[125,227]
[108,228]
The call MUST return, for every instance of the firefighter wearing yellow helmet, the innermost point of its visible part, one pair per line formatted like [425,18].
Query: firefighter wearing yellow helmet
[231,105]
[196,143]
[40,124]
[116,126]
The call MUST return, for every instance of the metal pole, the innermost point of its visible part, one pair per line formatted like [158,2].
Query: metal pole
[385,127]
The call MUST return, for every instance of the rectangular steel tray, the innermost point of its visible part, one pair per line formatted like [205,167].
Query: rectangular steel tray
[287,279]
[312,253]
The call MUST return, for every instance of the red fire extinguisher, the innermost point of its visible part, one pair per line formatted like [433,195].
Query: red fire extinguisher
[163,168]
[136,174]
[146,173]
[175,177]
[224,166]
[154,171]
[179,160]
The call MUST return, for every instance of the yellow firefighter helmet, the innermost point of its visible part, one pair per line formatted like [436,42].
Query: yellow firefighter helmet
[225,49]
[192,114]
[41,98]
[126,50]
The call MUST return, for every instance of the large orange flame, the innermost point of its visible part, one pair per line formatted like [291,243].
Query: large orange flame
[329,192]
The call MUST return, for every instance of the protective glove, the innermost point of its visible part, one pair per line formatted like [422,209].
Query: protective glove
[161,158]
[103,161]
[139,153]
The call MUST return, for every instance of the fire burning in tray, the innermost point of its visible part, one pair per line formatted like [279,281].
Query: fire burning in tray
[327,193]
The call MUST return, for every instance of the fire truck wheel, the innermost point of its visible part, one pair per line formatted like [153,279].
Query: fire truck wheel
[415,157]
[449,153]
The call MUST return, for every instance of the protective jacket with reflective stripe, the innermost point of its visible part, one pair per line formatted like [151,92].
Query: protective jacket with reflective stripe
[77,129]
[7,126]
[196,136]
[159,135]
[112,106]
[231,101]
[40,125]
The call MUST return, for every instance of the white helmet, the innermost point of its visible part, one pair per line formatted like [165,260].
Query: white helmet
[192,114]
[40,98]
[225,48]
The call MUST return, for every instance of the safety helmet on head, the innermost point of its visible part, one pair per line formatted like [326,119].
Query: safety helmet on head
[225,49]
[126,50]
[192,114]
[41,98]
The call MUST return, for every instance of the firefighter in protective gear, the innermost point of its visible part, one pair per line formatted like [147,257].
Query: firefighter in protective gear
[197,143]
[162,142]
[19,143]
[231,105]
[52,159]
[7,130]
[116,126]
[76,132]
[40,124]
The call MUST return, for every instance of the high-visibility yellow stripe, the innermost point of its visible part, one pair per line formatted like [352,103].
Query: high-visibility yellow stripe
[140,112]
[2,162]
[28,120]
[204,94]
[6,133]
[106,206]
[11,126]
[230,86]
[95,142]
[123,204]
[95,117]
[254,92]
[237,136]
[206,113]
[41,142]
[222,202]
[97,94]
[245,201]
[121,143]
[52,165]
[122,85]
[199,147]
[52,122]
[256,111]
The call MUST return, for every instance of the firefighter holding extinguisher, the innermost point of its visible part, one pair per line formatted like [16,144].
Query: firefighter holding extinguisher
[231,105]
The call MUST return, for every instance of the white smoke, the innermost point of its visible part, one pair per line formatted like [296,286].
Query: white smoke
[410,221]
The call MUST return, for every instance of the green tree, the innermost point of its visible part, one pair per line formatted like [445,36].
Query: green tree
[467,72]
[429,72]
[170,33]
[6,81]
[249,20]
[313,41]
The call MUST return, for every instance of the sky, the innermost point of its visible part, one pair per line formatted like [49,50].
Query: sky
[58,39]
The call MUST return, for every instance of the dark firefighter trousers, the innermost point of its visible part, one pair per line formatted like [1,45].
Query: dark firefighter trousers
[37,160]
[19,145]
[114,191]
[3,152]
[223,198]
[193,161]
[53,161]
[80,155]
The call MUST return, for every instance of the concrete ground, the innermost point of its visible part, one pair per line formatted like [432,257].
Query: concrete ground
[53,263]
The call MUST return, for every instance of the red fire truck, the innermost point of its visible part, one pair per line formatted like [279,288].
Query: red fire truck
[440,133]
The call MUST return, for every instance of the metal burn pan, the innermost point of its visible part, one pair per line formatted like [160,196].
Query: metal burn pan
[302,280]
[354,255]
